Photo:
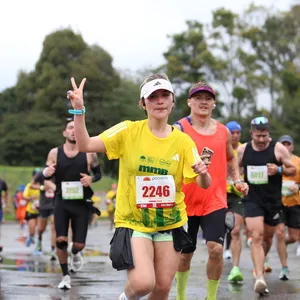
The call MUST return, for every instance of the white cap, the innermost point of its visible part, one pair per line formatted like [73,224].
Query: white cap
[154,85]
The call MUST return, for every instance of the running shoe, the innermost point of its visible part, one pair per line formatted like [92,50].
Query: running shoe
[65,284]
[260,286]
[227,254]
[235,275]
[29,241]
[284,273]
[76,262]
[38,247]
[53,255]
[268,268]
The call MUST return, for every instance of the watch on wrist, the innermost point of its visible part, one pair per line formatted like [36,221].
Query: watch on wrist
[237,181]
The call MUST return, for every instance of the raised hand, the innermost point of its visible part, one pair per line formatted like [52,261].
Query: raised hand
[76,96]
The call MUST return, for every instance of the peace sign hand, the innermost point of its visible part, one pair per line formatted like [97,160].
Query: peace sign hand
[76,96]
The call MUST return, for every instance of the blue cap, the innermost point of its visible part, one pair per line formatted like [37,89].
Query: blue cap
[286,138]
[233,125]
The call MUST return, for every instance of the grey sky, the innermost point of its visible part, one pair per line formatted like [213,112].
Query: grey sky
[134,32]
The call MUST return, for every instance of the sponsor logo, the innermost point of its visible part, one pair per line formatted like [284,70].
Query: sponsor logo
[149,169]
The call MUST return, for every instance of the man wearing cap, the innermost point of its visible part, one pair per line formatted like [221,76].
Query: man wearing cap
[207,208]
[290,210]
[235,204]
[264,162]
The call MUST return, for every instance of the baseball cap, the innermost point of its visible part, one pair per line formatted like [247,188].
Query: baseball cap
[233,125]
[205,88]
[286,138]
[154,85]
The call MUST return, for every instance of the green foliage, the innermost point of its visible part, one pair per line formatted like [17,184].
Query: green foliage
[241,56]
[34,111]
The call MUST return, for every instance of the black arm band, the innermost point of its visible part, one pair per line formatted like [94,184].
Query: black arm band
[96,173]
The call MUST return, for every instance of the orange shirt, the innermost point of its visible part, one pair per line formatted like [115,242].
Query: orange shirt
[293,199]
[201,202]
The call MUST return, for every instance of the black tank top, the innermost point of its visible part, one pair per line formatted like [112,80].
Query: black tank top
[69,169]
[268,195]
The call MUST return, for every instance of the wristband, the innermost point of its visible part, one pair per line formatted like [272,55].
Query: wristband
[279,170]
[44,172]
[77,111]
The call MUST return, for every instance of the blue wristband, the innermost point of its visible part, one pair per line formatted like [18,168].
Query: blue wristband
[77,111]
[279,170]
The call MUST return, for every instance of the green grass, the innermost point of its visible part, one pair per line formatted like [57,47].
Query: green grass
[14,176]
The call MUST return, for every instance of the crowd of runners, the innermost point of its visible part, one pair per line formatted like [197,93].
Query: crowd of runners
[174,180]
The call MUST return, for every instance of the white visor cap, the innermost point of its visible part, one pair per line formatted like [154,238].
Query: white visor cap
[154,85]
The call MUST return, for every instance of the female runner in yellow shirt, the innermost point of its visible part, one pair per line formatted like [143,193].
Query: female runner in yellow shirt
[155,158]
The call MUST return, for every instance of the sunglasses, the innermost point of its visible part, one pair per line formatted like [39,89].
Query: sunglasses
[259,121]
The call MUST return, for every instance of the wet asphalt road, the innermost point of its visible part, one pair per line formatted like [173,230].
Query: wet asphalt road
[27,276]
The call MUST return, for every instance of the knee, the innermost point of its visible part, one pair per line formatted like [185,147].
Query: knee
[163,287]
[215,250]
[185,260]
[257,237]
[235,234]
[79,246]
[62,243]
[142,287]
[280,234]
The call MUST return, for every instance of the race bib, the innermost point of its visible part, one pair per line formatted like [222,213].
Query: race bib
[155,191]
[257,174]
[72,190]
[285,188]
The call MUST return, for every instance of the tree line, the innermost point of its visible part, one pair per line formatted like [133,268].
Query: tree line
[248,58]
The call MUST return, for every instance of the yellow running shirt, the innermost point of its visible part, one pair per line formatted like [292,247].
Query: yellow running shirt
[151,172]
[231,189]
[32,204]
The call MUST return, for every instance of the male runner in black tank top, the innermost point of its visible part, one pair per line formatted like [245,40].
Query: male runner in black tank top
[71,171]
[264,161]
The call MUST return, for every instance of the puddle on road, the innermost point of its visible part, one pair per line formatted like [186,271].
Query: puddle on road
[41,263]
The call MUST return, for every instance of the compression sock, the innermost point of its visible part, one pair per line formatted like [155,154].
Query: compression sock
[181,283]
[212,289]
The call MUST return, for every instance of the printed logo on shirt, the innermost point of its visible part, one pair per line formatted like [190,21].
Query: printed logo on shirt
[149,169]
[175,157]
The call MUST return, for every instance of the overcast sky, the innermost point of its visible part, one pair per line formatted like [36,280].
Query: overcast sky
[134,32]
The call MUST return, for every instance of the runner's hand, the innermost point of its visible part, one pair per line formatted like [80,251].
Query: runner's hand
[206,159]
[242,187]
[76,96]
[272,169]
[86,179]
[200,168]
[50,170]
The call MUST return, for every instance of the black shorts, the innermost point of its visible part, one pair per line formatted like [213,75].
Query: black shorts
[77,212]
[30,216]
[272,217]
[46,213]
[291,216]
[235,204]
[212,225]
